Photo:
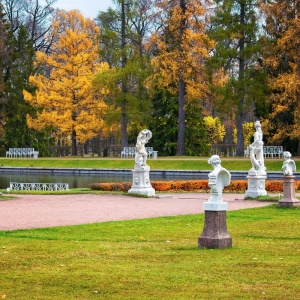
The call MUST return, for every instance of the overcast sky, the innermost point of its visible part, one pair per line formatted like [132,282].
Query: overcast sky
[89,8]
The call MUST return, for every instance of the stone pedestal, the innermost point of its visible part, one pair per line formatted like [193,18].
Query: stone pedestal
[215,233]
[289,199]
[141,182]
[256,186]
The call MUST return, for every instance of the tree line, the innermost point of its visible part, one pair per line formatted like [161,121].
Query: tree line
[194,72]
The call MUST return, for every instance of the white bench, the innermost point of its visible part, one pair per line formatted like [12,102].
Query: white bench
[18,186]
[269,151]
[21,152]
[130,152]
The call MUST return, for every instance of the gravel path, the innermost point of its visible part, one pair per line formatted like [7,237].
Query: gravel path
[38,211]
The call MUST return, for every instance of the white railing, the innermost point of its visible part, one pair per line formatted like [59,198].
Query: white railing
[130,152]
[18,186]
[21,152]
[269,151]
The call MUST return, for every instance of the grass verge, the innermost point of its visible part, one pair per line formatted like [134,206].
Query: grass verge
[191,163]
[155,259]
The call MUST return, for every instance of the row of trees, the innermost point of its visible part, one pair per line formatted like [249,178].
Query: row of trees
[161,64]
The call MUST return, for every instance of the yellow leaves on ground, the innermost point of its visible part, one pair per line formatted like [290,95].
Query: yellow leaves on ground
[65,95]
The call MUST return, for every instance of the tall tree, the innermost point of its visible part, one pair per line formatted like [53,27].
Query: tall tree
[64,96]
[181,47]
[4,62]
[35,17]
[123,33]
[17,133]
[237,54]
[282,61]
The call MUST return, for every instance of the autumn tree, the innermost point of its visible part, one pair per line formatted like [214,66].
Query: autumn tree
[215,129]
[237,54]
[282,62]
[64,95]
[180,47]
[123,32]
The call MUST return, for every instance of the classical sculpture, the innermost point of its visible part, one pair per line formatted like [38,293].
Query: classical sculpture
[257,153]
[215,234]
[140,175]
[217,180]
[289,165]
[141,154]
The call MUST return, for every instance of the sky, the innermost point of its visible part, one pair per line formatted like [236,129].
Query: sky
[89,8]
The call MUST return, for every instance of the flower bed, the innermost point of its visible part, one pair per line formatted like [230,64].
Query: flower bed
[190,185]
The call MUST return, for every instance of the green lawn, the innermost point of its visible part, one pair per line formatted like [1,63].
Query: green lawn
[169,163]
[155,259]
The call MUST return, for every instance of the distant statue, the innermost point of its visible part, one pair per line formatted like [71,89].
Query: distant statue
[289,165]
[217,179]
[141,153]
[257,152]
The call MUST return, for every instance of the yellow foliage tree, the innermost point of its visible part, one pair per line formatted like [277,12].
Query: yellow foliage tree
[248,131]
[64,93]
[282,59]
[215,129]
[181,47]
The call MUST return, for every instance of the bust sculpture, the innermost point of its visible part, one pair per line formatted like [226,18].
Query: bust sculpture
[141,154]
[289,165]
[217,179]
[256,152]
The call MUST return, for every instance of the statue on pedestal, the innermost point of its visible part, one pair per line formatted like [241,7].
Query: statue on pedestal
[257,153]
[141,180]
[289,199]
[215,234]
[257,174]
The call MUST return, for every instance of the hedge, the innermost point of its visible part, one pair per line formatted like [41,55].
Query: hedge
[190,185]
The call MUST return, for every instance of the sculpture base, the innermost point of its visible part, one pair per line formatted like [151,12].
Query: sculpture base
[215,233]
[141,183]
[289,199]
[256,186]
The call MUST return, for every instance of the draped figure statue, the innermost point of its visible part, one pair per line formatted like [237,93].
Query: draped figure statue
[257,153]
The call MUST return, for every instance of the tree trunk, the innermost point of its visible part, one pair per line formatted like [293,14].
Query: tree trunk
[181,87]
[181,119]
[124,118]
[240,135]
[74,143]
[240,117]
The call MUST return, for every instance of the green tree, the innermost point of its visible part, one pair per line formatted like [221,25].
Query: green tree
[237,55]
[123,31]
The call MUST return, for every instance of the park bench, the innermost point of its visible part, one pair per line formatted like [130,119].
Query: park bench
[269,151]
[18,186]
[130,152]
[21,152]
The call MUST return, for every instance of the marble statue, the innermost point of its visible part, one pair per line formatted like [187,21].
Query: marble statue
[257,153]
[141,178]
[217,180]
[141,154]
[289,165]
[215,234]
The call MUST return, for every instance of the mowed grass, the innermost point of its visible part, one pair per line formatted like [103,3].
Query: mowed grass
[168,163]
[155,259]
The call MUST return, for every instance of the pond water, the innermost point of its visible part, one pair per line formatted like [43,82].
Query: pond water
[73,181]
